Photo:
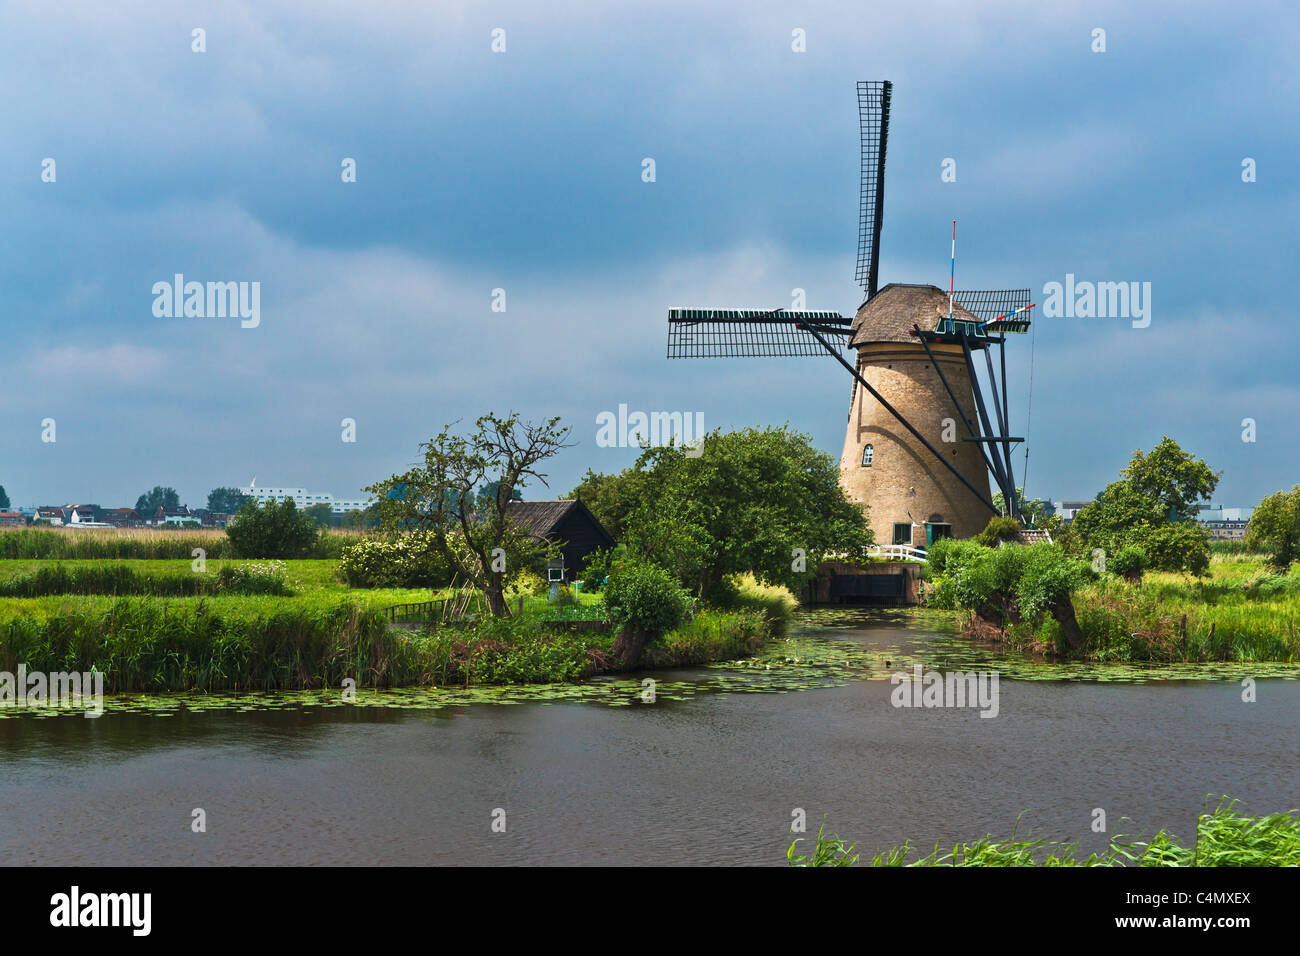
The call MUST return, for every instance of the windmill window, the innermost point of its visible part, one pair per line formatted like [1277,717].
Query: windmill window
[868,453]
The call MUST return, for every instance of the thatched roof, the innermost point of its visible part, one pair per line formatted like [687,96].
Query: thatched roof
[892,311]
[539,518]
[542,518]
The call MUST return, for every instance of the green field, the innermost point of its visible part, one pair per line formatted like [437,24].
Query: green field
[122,617]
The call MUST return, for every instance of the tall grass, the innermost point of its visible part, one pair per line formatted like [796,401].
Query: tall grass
[122,579]
[159,645]
[1223,838]
[745,592]
[224,643]
[150,543]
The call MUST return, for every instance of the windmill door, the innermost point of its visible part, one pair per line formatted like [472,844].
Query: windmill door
[935,531]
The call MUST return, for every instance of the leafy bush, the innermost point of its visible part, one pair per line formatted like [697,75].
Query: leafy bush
[597,567]
[1129,563]
[524,583]
[275,530]
[999,529]
[646,598]
[1046,578]
[401,562]
[1175,547]
[1275,528]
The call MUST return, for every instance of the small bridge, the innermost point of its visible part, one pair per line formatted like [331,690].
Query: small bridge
[416,611]
[897,552]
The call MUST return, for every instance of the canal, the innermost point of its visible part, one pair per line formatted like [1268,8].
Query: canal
[709,773]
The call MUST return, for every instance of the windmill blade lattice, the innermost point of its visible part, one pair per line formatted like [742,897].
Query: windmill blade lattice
[873,124]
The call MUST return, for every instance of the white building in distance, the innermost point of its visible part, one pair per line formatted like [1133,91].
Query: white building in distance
[302,498]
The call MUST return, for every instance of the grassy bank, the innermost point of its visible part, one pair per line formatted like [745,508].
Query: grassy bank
[1238,613]
[1223,838]
[228,643]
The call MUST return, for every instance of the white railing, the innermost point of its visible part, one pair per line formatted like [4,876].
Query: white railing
[897,552]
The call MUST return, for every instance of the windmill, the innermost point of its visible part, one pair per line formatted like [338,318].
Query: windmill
[923,437]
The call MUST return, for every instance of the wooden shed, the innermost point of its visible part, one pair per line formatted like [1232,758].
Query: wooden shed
[568,523]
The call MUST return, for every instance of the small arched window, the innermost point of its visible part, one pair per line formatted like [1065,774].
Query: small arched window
[868,452]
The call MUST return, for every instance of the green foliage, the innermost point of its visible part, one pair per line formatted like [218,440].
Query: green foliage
[1274,528]
[225,500]
[643,597]
[1153,506]
[596,567]
[1032,510]
[1176,480]
[1046,577]
[135,544]
[613,498]
[1224,837]
[999,529]
[321,514]
[524,583]
[774,601]
[119,579]
[750,501]
[400,561]
[4,499]
[1130,562]
[1014,580]
[460,497]
[158,497]
[827,851]
[275,530]
[158,645]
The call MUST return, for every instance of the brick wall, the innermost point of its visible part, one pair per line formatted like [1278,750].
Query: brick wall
[904,483]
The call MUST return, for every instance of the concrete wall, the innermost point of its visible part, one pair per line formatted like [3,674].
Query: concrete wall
[905,483]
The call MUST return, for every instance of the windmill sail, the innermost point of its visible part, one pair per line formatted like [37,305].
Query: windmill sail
[722,333]
[873,121]
[1012,306]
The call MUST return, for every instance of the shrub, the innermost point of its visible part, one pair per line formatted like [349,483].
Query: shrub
[275,530]
[999,529]
[596,569]
[1129,563]
[524,583]
[402,562]
[1275,528]
[1180,546]
[643,600]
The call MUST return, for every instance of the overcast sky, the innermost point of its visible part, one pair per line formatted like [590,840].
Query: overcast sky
[522,171]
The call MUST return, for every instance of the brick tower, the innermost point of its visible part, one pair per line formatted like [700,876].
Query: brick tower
[912,498]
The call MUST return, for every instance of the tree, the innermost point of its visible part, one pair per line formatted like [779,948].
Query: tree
[1275,528]
[472,531]
[159,497]
[644,601]
[275,530]
[1176,479]
[759,500]
[226,500]
[1152,506]
[4,499]
[612,498]
[321,514]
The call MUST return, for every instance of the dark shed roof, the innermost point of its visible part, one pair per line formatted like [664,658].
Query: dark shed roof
[570,522]
[892,311]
